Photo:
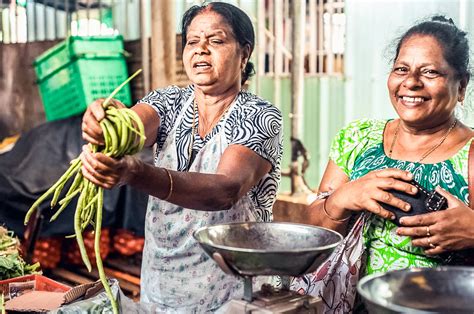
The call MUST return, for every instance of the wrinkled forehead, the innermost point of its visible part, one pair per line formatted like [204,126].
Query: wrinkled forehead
[209,21]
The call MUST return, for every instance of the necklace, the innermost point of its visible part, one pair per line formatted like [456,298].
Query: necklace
[210,126]
[193,127]
[429,151]
[193,132]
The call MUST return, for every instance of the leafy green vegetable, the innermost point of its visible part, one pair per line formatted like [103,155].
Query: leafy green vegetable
[11,263]
[2,303]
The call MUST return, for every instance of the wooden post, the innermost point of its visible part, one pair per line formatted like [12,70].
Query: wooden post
[261,45]
[68,17]
[45,21]
[163,43]
[88,17]
[287,34]
[330,51]
[313,46]
[321,51]
[35,24]
[145,43]
[55,19]
[297,69]
[278,43]
[298,19]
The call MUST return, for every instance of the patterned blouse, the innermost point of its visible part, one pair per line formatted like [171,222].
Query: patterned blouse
[358,149]
[254,123]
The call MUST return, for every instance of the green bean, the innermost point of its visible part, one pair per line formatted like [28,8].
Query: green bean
[37,202]
[120,134]
[56,194]
[132,136]
[89,209]
[141,128]
[75,184]
[107,138]
[106,101]
[98,259]
[119,113]
[70,196]
[113,136]
[94,148]
[64,202]
[87,199]
[129,137]
[125,116]
[74,163]
[78,230]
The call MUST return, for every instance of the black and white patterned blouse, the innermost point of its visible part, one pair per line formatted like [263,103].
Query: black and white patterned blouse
[254,123]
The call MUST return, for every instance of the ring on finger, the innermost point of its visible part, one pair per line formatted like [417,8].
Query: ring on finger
[431,244]
[428,233]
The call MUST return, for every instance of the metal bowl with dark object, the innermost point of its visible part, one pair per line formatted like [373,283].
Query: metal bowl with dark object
[419,290]
[260,249]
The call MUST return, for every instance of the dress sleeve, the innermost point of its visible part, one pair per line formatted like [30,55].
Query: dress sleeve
[167,103]
[352,140]
[259,128]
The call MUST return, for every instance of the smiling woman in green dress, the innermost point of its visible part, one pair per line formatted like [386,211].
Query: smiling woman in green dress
[426,143]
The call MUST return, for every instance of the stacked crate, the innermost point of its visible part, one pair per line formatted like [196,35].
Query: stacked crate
[79,70]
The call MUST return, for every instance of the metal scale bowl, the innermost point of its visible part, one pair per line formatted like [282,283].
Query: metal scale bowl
[419,290]
[267,249]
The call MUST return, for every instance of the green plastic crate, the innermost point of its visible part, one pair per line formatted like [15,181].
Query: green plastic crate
[79,70]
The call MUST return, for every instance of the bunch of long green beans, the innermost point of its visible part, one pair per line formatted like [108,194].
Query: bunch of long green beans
[123,135]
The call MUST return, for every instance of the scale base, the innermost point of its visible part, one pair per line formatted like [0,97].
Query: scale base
[282,301]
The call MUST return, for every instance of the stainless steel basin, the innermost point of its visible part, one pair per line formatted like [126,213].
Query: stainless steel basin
[420,290]
[255,249]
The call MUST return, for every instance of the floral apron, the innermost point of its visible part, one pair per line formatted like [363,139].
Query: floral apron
[177,275]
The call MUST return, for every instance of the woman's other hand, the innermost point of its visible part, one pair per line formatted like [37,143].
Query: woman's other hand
[442,231]
[367,192]
[105,171]
[91,130]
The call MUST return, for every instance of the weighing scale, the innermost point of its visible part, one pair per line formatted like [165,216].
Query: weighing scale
[255,249]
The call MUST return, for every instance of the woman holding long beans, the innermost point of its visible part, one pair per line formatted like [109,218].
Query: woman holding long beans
[217,160]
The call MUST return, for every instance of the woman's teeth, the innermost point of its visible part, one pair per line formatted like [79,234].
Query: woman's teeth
[200,65]
[413,99]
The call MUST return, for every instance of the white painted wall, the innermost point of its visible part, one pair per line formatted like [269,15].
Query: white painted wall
[372,27]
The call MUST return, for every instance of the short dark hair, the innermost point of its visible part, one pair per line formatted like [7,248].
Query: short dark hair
[238,21]
[453,41]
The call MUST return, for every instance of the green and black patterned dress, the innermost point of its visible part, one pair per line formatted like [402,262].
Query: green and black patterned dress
[358,149]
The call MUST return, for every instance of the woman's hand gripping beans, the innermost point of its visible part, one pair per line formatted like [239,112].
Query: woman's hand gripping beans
[110,129]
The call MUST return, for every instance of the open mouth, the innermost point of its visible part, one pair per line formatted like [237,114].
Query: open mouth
[201,65]
[412,100]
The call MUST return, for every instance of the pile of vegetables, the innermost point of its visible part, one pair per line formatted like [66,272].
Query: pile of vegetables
[11,263]
[124,135]
[2,304]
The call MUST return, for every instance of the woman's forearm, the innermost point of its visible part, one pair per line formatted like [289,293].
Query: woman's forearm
[200,191]
[320,214]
